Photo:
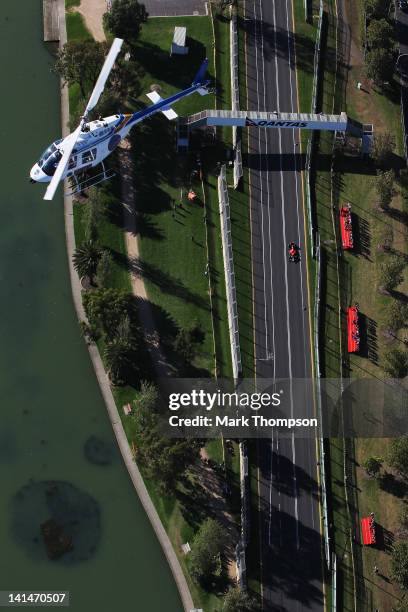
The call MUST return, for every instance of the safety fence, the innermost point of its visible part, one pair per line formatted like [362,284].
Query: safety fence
[322,454]
[404,111]
[317,59]
[349,474]
[334,584]
[311,145]
[232,306]
[243,541]
[236,134]
[317,254]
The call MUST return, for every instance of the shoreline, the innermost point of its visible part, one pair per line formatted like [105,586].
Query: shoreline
[102,378]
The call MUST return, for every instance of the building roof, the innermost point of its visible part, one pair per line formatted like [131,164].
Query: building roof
[179,37]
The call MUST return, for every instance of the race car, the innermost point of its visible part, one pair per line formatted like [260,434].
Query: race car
[293,251]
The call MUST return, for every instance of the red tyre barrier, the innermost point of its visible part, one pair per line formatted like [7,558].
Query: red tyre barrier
[346,227]
[353,332]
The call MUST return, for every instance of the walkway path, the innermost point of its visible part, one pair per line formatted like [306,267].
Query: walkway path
[103,379]
[92,11]
[161,365]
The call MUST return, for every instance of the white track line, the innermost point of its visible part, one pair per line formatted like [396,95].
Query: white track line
[270,268]
[286,280]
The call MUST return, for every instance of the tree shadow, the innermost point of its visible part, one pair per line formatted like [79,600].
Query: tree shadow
[165,282]
[393,485]
[398,215]
[178,71]
[362,236]
[368,338]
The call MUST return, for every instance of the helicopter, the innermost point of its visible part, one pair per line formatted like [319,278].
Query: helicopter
[93,141]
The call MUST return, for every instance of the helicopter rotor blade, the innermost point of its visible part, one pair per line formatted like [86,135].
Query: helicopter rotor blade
[68,147]
[106,68]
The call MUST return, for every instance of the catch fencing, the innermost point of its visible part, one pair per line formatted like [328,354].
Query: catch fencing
[404,111]
[236,133]
[232,306]
[241,546]
[317,254]
[322,457]
[334,584]
[309,165]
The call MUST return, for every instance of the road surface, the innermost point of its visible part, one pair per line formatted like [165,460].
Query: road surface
[288,520]
[402,37]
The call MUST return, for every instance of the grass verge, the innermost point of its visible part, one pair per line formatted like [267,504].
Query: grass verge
[176,242]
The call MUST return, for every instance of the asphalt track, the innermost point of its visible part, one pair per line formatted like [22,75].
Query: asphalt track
[288,521]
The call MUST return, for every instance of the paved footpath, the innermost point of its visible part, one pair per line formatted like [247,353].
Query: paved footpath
[104,381]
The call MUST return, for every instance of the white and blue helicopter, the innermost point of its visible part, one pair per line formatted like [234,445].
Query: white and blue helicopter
[93,141]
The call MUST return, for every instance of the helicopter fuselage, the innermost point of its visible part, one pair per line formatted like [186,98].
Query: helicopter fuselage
[97,140]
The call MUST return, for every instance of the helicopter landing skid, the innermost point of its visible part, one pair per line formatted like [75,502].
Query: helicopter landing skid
[91,182]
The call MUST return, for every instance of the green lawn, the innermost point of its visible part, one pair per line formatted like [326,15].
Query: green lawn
[355,279]
[176,242]
[71,3]
[241,229]
[76,28]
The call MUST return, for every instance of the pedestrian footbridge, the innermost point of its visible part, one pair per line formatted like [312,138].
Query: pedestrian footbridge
[303,121]
[306,121]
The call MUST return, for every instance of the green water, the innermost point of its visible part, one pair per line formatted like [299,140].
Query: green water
[50,401]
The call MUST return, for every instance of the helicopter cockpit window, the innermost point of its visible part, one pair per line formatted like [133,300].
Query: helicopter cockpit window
[50,164]
[89,156]
[72,162]
[51,149]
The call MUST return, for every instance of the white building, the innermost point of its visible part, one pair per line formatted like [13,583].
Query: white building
[178,46]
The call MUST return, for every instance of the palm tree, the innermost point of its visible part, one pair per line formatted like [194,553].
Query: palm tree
[118,360]
[86,258]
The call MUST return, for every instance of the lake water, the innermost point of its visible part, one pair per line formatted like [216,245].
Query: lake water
[58,456]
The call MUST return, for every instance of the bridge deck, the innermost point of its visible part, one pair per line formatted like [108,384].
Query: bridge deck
[274,119]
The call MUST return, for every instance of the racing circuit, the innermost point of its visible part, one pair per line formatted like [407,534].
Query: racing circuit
[288,523]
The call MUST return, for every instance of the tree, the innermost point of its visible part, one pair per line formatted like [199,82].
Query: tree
[88,332]
[396,363]
[380,34]
[380,65]
[391,273]
[164,459]
[400,606]
[373,465]
[125,18]
[383,148]
[237,600]
[221,5]
[104,269]
[80,62]
[398,455]
[184,346]
[121,352]
[377,8]
[120,360]
[397,315]
[106,308]
[92,214]
[86,258]
[399,564]
[207,549]
[385,188]
[404,517]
